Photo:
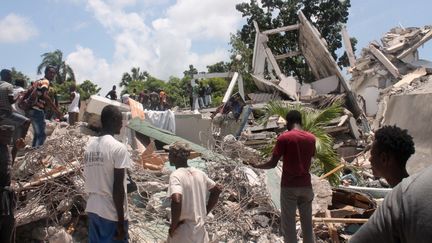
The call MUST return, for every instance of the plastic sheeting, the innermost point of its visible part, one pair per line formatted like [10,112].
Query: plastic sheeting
[161,119]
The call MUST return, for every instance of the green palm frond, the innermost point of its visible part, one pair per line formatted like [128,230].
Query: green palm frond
[313,121]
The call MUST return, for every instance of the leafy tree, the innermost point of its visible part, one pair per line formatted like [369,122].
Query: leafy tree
[239,49]
[55,59]
[135,75]
[87,89]
[154,84]
[313,122]
[19,75]
[219,67]
[189,73]
[176,90]
[327,16]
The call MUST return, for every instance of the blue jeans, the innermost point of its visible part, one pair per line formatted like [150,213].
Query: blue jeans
[38,122]
[103,230]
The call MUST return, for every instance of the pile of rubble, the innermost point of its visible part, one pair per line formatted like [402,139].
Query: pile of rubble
[390,67]
[51,200]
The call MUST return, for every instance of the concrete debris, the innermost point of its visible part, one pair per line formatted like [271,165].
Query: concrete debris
[387,76]
[393,85]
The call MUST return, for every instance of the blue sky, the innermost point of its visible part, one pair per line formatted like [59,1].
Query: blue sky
[101,39]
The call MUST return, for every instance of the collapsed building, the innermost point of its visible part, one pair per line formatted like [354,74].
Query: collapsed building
[388,85]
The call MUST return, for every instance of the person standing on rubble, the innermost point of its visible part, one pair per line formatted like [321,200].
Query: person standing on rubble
[297,147]
[154,101]
[74,105]
[9,117]
[112,94]
[105,163]
[406,212]
[38,97]
[188,189]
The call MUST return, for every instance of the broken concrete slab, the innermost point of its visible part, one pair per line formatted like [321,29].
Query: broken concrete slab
[407,79]
[326,85]
[385,61]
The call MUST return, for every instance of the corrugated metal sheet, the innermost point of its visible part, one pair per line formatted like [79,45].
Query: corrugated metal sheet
[263,97]
[165,136]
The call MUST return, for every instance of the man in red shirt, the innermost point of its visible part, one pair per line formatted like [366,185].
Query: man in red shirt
[297,147]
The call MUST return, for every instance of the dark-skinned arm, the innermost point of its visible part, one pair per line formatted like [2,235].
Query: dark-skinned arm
[72,97]
[272,163]
[51,104]
[119,199]
[176,205]
[214,197]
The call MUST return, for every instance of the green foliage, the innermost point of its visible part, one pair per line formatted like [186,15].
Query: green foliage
[313,122]
[154,84]
[176,90]
[326,16]
[189,73]
[86,89]
[219,67]
[135,75]
[55,59]
[244,65]
[219,87]
[19,75]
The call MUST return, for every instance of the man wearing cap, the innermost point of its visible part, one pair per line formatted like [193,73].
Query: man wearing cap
[8,116]
[188,189]
[41,100]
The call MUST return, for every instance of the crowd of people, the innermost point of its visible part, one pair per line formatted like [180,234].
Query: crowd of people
[155,100]
[200,95]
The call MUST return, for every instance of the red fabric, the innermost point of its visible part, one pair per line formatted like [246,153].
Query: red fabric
[297,148]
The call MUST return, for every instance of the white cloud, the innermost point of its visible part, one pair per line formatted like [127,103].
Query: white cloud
[14,28]
[164,47]
[87,66]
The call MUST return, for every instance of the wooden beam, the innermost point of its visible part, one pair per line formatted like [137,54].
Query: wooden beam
[348,47]
[331,228]
[425,38]
[339,167]
[282,29]
[287,55]
[340,220]
[385,61]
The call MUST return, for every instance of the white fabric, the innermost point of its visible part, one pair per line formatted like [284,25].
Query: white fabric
[73,107]
[194,185]
[101,156]
[16,92]
[161,119]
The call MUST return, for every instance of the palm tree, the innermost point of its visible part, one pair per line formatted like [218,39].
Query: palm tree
[313,121]
[135,75]
[55,59]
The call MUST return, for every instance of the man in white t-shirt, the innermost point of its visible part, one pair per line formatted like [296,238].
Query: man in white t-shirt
[106,161]
[188,189]
[73,110]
